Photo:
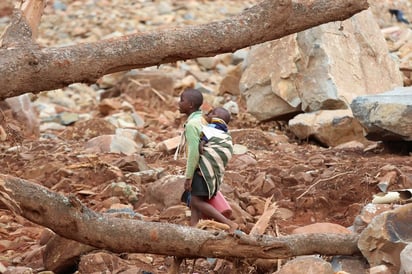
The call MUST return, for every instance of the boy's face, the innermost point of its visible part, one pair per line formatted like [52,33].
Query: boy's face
[185,105]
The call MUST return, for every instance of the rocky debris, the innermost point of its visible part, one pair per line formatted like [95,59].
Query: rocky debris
[310,185]
[382,241]
[278,78]
[406,260]
[305,265]
[329,127]
[386,116]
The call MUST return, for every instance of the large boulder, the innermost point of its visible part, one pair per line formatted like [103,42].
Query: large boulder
[386,116]
[321,68]
[329,127]
[383,240]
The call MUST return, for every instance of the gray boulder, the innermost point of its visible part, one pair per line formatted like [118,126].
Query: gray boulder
[386,116]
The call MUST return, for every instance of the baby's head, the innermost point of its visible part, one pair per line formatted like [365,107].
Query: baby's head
[218,112]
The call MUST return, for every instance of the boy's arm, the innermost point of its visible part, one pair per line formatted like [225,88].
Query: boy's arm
[192,141]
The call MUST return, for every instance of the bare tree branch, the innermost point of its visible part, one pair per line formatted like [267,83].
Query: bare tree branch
[69,218]
[30,68]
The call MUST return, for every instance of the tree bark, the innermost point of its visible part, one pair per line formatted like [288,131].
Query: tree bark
[27,67]
[69,218]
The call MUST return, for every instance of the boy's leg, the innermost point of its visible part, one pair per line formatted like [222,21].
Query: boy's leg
[194,216]
[200,205]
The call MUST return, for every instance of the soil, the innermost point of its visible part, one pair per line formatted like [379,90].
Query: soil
[308,182]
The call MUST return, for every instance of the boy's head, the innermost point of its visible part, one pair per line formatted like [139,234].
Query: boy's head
[219,112]
[190,100]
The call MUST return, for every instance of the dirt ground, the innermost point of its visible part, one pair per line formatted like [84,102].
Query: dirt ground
[309,183]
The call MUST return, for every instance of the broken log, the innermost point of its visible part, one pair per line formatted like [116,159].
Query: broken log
[28,67]
[69,218]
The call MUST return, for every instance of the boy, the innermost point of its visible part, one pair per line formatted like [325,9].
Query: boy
[200,181]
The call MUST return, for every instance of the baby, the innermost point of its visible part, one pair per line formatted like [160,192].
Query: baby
[217,118]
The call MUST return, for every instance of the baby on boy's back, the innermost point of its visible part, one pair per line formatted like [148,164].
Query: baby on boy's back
[218,119]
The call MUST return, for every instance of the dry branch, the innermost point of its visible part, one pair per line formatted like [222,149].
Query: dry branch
[26,67]
[69,218]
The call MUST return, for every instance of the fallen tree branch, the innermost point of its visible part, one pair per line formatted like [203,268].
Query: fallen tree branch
[69,218]
[30,68]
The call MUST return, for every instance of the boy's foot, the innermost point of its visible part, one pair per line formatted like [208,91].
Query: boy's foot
[233,227]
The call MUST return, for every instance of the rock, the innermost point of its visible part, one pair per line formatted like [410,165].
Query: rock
[68,118]
[278,78]
[169,145]
[26,114]
[382,241]
[349,264]
[351,145]
[329,127]
[85,130]
[132,163]
[367,214]
[112,144]
[121,189]
[208,62]
[322,228]
[306,265]
[61,255]
[174,212]
[239,56]
[104,262]
[109,105]
[6,8]
[406,260]
[386,116]
[18,270]
[241,161]
[230,83]
[166,191]
[146,176]
[380,269]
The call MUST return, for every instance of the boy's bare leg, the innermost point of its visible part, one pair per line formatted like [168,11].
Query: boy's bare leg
[194,215]
[203,207]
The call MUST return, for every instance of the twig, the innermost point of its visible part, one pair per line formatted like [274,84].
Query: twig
[321,180]
[152,89]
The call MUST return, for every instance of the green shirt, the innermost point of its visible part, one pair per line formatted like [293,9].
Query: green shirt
[193,128]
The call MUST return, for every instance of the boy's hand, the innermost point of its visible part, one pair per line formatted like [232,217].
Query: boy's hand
[188,184]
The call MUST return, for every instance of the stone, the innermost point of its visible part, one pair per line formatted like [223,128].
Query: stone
[322,228]
[105,262]
[382,241]
[26,114]
[349,264]
[88,129]
[406,260]
[386,116]
[169,144]
[230,83]
[112,144]
[166,191]
[306,265]
[368,212]
[380,269]
[61,255]
[278,78]
[329,127]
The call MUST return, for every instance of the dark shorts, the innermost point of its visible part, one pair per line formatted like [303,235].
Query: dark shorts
[199,187]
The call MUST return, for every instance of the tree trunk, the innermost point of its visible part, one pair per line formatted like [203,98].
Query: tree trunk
[27,67]
[69,218]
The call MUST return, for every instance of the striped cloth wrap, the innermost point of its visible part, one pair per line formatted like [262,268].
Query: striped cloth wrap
[216,155]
